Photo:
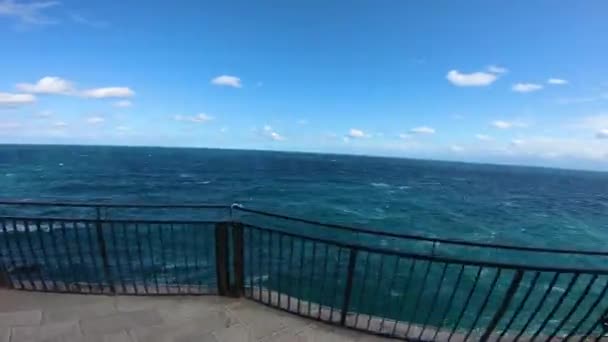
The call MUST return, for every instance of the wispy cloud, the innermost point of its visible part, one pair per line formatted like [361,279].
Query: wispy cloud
[602,134]
[123,104]
[198,118]
[227,81]
[47,85]
[483,137]
[475,79]
[28,13]
[508,124]
[81,19]
[108,92]
[95,120]
[60,86]
[60,124]
[13,100]
[526,87]
[356,133]
[270,133]
[422,130]
[495,69]
[456,148]
[557,81]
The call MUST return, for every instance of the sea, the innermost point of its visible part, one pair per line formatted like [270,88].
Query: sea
[497,204]
[519,205]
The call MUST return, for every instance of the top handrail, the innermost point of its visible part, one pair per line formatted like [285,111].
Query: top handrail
[114,205]
[239,207]
[422,238]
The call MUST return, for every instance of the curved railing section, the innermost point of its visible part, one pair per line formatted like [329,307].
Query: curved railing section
[400,285]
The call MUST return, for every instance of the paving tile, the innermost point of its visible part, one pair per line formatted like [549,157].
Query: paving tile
[120,321]
[71,313]
[47,332]
[17,318]
[235,333]
[122,336]
[5,334]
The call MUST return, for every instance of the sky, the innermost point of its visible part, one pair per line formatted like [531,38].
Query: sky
[514,82]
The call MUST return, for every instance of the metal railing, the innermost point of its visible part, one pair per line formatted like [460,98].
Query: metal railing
[398,285]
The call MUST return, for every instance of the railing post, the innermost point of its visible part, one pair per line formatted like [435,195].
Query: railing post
[103,249]
[238,260]
[352,261]
[4,277]
[504,305]
[221,258]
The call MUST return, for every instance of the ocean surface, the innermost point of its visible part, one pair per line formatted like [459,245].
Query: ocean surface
[485,203]
[489,203]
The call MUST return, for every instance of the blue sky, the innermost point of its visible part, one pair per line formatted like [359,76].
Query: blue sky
[522,82]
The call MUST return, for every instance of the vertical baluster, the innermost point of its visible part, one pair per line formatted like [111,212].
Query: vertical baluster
[6,237]
[538,306]
[466,304]
[449,302]
[585,317]
[497,273]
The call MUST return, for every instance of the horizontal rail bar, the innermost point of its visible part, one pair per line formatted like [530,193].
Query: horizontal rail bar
[114,205]
[422,238]
[90,220]
[434,257]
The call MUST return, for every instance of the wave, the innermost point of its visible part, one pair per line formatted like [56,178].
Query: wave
[380,185]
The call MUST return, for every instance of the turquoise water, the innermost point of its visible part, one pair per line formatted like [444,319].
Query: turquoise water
[484,203]
[504,204]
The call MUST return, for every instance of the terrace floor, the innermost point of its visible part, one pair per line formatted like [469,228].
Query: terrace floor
[31,316]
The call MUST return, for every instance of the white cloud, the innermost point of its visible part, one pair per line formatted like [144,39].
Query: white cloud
[422,130]
[517,142]
[226,80]
[483,137]
[47,85]
[123,104]
[526,87]
[557,81]
[475,79]
[593,122]
[198,118]
[405,136]
[95,120]
[495,69]
[602,134]
[356,133]
[508,124]
[108,92]
[456,148]
[549,147]
[272,134]
[11,99]
[27,12]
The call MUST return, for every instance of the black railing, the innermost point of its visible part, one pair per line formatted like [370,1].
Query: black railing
[403,286]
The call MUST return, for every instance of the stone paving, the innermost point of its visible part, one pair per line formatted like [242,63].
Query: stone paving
[31,316]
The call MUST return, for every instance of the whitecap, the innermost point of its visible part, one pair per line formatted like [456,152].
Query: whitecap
[395,293]
[9,174]
[204,182]
[404,187]
[60,164]
[380,185]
